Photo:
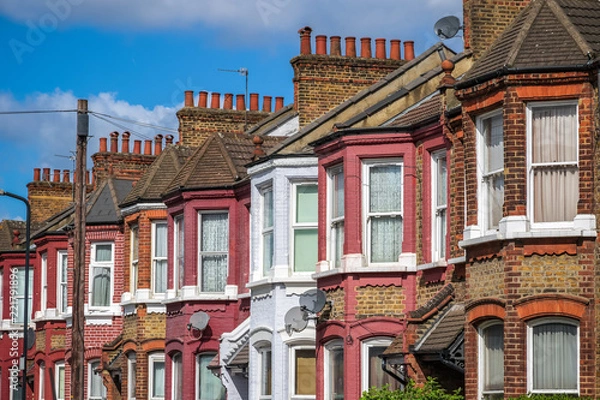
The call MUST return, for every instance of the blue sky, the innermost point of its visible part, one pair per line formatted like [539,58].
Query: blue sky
[134,59]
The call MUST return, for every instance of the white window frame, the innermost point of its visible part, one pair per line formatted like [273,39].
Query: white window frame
[21,296]
[365,362]
[329,348]
[57,379]
[176,376]
[1,294]
[92,366]
[208,355]
[131,375]
[530,355]
[334,222]
[44,284]
[178,253]
[62,282]
[439,212]
[134,257]
[156,259]
[266,230]
[101,264]
[483,175]
[562,165]
[202,253]
[264,354]
[486,394]
[368,216]
[292,383]
[41,384]
[154,359]
[300,226]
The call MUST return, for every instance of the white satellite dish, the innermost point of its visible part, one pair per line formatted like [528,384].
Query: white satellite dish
[296,320]
[198,320]
[447,27]
[313,300]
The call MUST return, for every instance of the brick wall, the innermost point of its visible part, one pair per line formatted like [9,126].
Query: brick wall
[485,20]
[376,301]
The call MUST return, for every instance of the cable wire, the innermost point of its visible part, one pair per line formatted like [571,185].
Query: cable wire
[135,122]
[35,112]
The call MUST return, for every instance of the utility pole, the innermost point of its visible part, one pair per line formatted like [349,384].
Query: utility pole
[77,339]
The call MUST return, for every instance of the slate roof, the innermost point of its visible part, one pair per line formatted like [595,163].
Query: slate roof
[547,33]
[429,109]
[444,331]
[159,175]
[270,124]
[103,207]
[7,227]
[220,162]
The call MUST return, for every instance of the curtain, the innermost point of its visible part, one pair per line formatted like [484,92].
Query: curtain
[493,358]
[20,295]
[555,356]
[385,198]
[215,239]
[101,287]
[158,379]
[493,173]
[179,229]
[554,157]
[160,262]
[305,379]
[103,253]
[209,386]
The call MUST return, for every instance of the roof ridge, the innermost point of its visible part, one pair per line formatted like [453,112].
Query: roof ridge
[227,156]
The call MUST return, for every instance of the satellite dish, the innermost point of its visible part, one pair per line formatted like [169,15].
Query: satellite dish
[296,320]
[313,300]
[447,27]
[198,321]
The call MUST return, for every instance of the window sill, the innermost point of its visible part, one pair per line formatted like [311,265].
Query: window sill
[50,314]
[192,293]
[356,263]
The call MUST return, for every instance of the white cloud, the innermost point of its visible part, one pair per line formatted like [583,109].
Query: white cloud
[240,20]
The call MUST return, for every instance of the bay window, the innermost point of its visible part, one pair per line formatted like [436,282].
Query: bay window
[553,356]
[491,360]
[336,216]
[304,227]
[208,386]
[439,196]
[267,230]
[382,205]
[553,162]
[159,257]
[213,251]
[490,165]
[102,263]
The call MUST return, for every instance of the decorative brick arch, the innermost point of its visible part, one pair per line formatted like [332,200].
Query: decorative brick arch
[485,309]
[551,305]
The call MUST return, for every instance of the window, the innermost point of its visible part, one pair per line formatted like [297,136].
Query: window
[334,370]
[208,386]
[61,282]
[491,361]
[44,284]
[135,253]
[1,293]
[159,257]
[19,297]
[267,230]
[177,377]
[131,375]
[156,367]
[372,372]
[214,248]
[41,381]
[101,272]
[553,356]
[59,380]
[439,196]
[96,389]
[304,227]
[491,168]
[303,373]
[382,205]
[553,162]
[336,216]
[179,246]
[265,373]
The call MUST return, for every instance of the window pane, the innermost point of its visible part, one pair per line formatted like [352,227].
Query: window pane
[554,134]
[177,377]
[336,374]
[214,273]
[158,379]
[305,379]
[493,170]
[267,251]
[441,181]
[214,232]
[60,392]
[306,203]
[386,232]
[305,250]
[493,358]
[268,208]
[266,373]
[63,282]
[377,376]
[160,276]
[160,240]
[209,386]
[494,143]
[101,287]
[338,245]
[385,188]
[338,195]
[103,253]
[135,243]
[97,389]
[555,357]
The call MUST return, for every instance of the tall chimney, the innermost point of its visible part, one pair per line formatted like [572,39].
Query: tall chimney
[240,102]
[305,40]
[114,142]
[253,101]
[228,102]
[267,103]
[278,103]
[103,147]
[125,142]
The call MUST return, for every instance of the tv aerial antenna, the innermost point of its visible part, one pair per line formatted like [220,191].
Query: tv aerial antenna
[447,27]
[198,322]
[243,72]
[73,158]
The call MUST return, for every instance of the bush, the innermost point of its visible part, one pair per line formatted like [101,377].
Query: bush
[431,390]
[562,396]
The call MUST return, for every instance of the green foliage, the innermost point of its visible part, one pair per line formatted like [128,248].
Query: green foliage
[431,390]
[557,396]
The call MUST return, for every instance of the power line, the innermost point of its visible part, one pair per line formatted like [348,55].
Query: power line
[135,122]
[35,112]
[132,131]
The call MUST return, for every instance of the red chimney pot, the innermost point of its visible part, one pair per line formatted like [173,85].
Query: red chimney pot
[335,49]
[240,102]
[66,176]
[305,40]
[409,50]
[365,47]
[267,103]
[253,101]
[395,49]
[137,146]
[103,142]
[46,174]
[350,46]
[321,44]
[36,174]
[215,100]
[158,144]
[380,48]
[189,98]
[114,142]
[148,147]
[228,102]
[125,142]
[278,103]
[202,99]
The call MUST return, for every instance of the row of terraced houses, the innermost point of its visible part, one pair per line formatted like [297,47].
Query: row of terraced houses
[442,207]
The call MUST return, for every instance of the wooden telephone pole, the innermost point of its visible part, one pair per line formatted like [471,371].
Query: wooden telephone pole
[77,327]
